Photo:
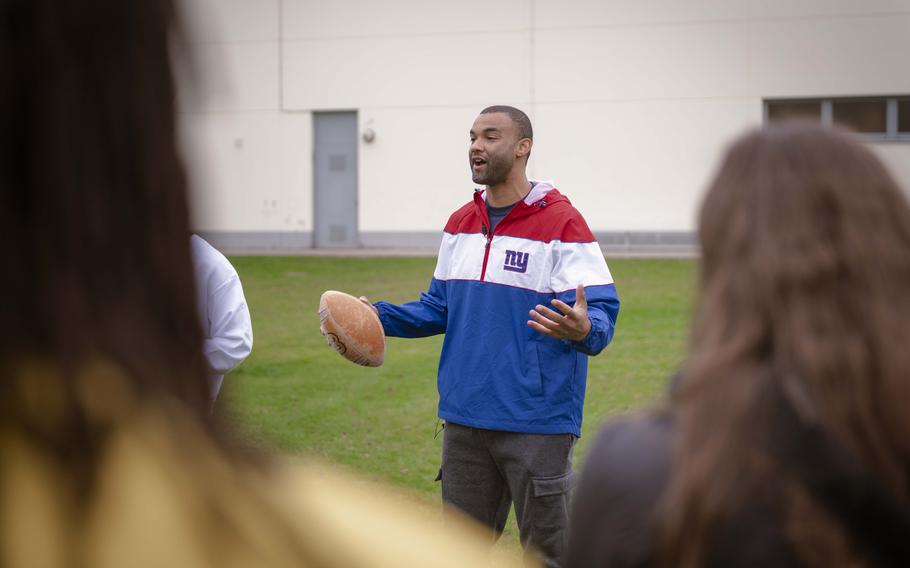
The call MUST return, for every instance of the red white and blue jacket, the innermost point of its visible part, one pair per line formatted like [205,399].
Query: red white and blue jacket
[495,372]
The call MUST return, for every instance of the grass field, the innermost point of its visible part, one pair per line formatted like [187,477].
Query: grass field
[296,394]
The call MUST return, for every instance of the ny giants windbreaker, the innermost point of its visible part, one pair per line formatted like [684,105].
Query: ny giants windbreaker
[495,372]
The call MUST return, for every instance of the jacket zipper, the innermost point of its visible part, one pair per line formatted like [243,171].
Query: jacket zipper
[489,236]
[486,252]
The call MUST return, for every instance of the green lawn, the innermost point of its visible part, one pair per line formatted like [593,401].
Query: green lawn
[297,394]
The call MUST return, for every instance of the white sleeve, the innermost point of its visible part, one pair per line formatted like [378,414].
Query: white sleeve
[230,337]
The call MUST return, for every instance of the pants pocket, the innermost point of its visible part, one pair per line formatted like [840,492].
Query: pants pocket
[551,501]
[547,486]
[549,515]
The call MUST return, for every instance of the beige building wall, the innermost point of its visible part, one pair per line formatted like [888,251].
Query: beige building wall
[632,102]
[250,160]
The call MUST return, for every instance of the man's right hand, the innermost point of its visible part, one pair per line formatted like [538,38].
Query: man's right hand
[366,301]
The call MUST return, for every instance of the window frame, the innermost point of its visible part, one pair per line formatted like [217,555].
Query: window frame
[891,133]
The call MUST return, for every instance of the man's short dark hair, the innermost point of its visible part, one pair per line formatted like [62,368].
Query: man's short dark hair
[520,119]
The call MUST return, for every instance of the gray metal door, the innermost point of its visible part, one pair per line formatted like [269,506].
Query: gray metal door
[335,179]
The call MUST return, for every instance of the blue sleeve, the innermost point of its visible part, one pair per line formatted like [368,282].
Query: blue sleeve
[422,318]
[603,308]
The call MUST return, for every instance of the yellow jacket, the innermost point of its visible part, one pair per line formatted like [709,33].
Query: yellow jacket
[165,495]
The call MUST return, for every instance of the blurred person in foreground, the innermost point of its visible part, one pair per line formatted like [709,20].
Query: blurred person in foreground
[786,441]
[108,453]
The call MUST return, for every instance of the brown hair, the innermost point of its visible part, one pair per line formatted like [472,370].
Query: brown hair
[94,217]
[804,291]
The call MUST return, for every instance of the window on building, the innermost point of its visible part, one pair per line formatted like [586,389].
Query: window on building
[865,116]
[903,116]
[885,118]
[780,111]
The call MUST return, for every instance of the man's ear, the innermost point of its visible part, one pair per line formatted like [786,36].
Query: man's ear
[523,148]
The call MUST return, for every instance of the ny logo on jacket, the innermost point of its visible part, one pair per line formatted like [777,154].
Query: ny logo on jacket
[516,261]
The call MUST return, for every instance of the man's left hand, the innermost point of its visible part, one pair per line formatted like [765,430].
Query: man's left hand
[572,324]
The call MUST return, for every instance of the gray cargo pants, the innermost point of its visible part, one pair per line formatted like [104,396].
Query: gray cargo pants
[484,471]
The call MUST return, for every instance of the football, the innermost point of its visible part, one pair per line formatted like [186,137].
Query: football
[352,328]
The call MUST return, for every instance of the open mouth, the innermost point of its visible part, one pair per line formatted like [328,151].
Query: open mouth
[477,163]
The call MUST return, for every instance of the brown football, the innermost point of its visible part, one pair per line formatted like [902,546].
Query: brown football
[351,328]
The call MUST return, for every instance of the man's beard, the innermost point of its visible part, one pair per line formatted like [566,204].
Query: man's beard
[496,172]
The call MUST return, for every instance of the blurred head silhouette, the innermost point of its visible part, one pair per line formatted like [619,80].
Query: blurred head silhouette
[803,306]
[94,219]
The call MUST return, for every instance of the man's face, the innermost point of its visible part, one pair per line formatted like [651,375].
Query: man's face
[494,138]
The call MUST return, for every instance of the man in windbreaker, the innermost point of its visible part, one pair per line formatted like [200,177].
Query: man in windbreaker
[523,295]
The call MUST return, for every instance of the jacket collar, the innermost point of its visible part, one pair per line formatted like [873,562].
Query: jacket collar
[538,190]
[542,194]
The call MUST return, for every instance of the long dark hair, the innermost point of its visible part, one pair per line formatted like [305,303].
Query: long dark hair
[804,302]
[94,220]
